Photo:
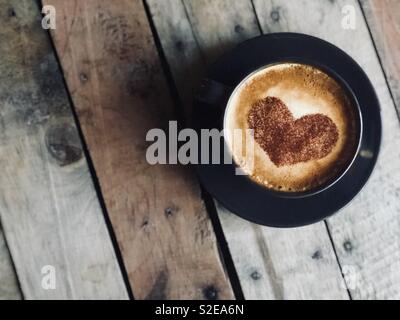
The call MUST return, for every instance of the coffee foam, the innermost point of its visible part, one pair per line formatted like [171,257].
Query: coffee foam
[305,90]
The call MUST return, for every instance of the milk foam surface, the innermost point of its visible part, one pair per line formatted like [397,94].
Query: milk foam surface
[305,90]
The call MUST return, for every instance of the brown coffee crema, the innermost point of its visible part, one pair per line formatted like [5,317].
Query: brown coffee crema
[304,122]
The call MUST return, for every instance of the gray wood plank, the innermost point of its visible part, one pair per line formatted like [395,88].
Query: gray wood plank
[48,204]
[271,263]
[383,17]
[9,289]
[367,232]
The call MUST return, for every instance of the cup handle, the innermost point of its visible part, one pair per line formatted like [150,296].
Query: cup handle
[213,93]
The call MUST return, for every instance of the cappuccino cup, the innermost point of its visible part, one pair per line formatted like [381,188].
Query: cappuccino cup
[305,127]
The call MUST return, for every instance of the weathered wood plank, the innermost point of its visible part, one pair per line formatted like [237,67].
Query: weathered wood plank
[271,263]
[383,17]
[9,289]
[48,204]
[115,78]
[367,232]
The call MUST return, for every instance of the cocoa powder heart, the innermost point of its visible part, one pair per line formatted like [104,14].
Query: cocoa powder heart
[287,140]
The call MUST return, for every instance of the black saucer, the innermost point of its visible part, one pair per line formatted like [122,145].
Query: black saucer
[251,201]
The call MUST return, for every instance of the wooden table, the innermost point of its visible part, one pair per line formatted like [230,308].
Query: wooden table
[77,194]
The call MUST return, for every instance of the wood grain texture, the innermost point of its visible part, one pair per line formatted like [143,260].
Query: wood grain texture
[367,232]
[271,263]
[48,205]
[383,17]
[9,289]
[119,91]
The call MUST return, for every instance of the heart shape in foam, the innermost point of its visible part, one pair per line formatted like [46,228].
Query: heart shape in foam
[287,140]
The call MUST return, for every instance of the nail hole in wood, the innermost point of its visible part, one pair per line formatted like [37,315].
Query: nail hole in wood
[255,275]
[168,212]
[83,77]
[210,293]
[11,12]
[317,255]
[347,245]
[171,210]
[145,223]
[275,16]
[239,28]
[179,45]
